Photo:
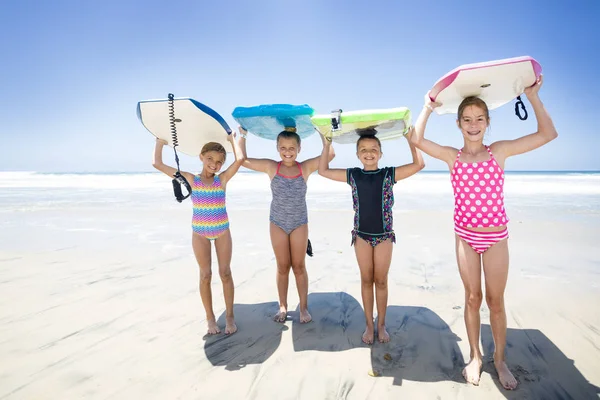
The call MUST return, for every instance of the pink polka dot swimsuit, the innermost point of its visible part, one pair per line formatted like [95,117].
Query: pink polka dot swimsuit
[478,193]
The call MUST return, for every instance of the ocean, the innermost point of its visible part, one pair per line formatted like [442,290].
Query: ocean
[575,194]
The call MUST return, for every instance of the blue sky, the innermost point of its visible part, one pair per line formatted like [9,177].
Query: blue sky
[72,72]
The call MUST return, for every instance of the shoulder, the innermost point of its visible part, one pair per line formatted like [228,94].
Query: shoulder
[189,176]
[353,171]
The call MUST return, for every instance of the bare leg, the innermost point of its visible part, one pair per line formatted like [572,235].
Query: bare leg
[469,266]
[382,258]
[298,244]
[223,247]
[495,268]
[364,257]
[201,247]
[281,247]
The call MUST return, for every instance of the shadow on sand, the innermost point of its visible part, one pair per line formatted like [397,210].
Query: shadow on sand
[337,325]
[543,371]
[422,346]
[255,341]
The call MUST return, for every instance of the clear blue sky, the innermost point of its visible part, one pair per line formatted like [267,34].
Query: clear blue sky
[73,71]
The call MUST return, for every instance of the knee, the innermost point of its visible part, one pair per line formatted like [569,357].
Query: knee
[225,275]
[495,303]
[205,276]
[381,283]
[366,280]
[283,269]
[474,299]
[298,268]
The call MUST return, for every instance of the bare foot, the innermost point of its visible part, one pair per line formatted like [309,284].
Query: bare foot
[213,329]
[472,372]
[305,317]
[507,380]
[368,336]
[281,316]
[230,326]
[382,334]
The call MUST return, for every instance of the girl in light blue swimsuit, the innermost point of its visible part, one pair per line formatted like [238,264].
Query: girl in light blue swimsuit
[288,216]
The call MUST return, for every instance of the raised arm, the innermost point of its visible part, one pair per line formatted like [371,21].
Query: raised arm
[157,162]
[324,170]
[546,131]
[312,164]
[226,175]
[444,153]
[255,164]
[417,164]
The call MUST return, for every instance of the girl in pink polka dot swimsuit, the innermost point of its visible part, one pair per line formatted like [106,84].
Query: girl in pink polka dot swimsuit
[481,235]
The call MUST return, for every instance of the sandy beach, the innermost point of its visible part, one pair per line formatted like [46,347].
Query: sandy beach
[99,300]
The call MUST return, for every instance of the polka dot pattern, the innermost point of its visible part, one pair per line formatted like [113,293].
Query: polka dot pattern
[478,193]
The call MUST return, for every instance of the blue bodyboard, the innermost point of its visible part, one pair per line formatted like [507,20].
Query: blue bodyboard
[268,120]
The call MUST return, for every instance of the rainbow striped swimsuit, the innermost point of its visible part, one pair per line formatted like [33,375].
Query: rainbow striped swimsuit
[210,215]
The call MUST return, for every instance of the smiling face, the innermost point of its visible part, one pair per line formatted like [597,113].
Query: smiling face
[288,149]
[368,151]
[473,119]
[213,161]
[213,157]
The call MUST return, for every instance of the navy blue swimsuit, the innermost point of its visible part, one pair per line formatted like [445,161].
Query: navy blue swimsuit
[373,199]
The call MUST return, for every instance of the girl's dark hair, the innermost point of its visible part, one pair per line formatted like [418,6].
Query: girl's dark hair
[366,137]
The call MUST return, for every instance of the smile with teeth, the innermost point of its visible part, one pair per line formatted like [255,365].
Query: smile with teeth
[473,133]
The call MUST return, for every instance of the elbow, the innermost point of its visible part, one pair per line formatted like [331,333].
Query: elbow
[550,135]
[420,165]
[414,140]
[156,165]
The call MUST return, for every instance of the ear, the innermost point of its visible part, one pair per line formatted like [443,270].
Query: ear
[458,123]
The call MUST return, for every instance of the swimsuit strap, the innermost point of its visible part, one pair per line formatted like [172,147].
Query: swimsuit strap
[458,156]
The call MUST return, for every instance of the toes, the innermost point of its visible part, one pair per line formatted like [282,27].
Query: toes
[280,317]
[231,330]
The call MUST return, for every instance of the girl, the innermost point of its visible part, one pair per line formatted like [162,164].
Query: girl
[288,215]
[373,233]
[210,222]
[477,175]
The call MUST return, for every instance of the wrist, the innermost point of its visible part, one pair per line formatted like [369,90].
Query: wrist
[428,107]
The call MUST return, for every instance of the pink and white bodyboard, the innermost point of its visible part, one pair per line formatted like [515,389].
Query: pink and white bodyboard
[495,82]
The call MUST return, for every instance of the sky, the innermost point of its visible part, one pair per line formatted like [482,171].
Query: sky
[73,71]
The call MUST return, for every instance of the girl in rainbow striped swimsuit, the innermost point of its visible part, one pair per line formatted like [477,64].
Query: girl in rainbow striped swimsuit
[210,222]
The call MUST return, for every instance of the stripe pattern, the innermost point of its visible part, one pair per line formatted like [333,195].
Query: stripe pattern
[480,241]
[288,204]
[210,214]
